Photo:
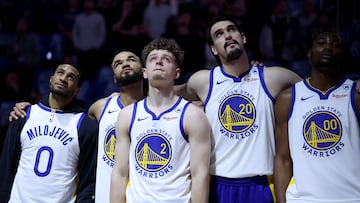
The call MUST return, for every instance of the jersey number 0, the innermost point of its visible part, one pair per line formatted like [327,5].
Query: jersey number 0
[40,153]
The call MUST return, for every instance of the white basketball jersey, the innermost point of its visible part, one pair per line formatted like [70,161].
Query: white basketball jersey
[106,147]
[159,156]
[240,111]
[47,169]
[324,144]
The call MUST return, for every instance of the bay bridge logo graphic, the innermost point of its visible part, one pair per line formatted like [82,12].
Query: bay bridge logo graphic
[236,113]
[109,144]
[153,152]
[322,130]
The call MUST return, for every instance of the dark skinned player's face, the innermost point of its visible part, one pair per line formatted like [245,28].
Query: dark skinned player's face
[326,53]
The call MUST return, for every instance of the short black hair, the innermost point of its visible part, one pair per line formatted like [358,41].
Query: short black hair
[316,33]
[217,19]
[117,51]
[81,78]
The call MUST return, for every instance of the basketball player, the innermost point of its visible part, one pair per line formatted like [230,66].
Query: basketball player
[317,131]
[127,70]
[128,75]
[238,101]
[163,143]
[50,156]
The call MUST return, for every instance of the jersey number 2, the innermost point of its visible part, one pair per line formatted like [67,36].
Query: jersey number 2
[43,172]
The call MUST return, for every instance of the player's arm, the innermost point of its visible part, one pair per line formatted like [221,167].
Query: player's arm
[278,79]
[120,173]
[196,87]
[198,130]
[282,162]
[357,98]
[88,134]
[96,108]
[9,159]
[19,111]
[358,85]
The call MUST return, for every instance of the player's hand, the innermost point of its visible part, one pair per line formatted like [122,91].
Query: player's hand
[18,111]
[358,85]
[256,63]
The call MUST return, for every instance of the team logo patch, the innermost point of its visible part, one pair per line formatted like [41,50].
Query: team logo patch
[236,113]
[322,130]
[109,144]
[153,152]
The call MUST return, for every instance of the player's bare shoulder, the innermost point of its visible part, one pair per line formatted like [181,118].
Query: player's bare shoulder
[124,117]
[279,78]
[357,97]
[199,83]
[195,117]
[97,107]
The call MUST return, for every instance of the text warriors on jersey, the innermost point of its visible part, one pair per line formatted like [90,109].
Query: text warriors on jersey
[237,114]
[153,154]
[322,131]
[109,146]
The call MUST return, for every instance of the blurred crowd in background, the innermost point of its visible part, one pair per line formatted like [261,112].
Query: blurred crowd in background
[37,35]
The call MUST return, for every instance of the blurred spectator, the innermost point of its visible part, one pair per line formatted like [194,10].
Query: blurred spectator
[66,24]
[354,50]
[208,10]
[128,31]
[182,30]
[275,37]
[212,9]
[305,25]
[110,12]
[24,49]
[355,42]
[89,35]
[323,23]
[249,21]
[156,14]
[46,22]
[23,54]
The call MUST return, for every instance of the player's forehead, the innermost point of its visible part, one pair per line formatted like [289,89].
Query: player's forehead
[221,25]
[328,35]
[67,68]
[125,55]
[161,52]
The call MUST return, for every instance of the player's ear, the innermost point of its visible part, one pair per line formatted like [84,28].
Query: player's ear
[177,73]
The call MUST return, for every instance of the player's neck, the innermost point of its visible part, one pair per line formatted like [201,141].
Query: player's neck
[131,93]
[159,101]
[324,82]
[237,67]
[58,102]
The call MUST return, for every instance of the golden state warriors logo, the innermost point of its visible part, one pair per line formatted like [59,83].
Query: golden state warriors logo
[236,113]
[109,144]
[153,152]
[322,130]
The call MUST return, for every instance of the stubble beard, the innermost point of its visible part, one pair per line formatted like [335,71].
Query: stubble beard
[234,54]
[332,68]
[63,94]
[129,79]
